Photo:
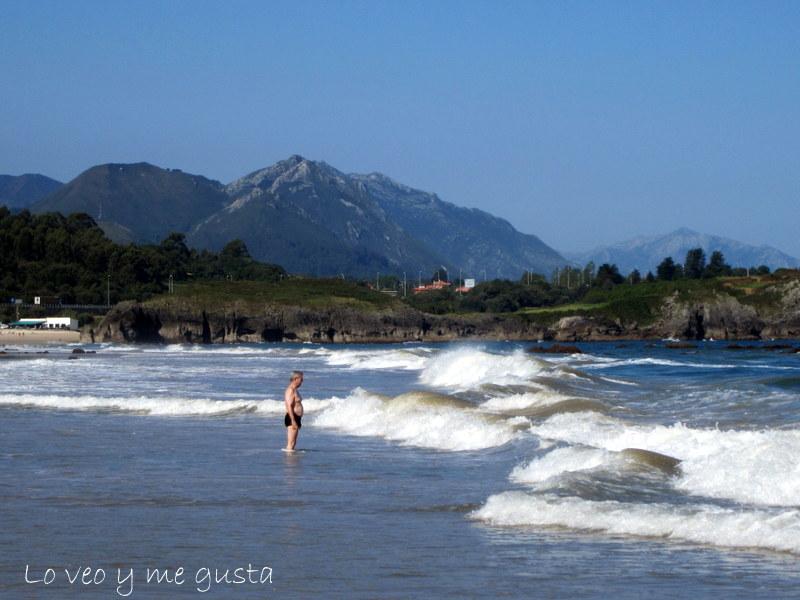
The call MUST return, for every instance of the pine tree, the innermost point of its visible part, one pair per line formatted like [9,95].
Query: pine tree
[695,263]
[666,270]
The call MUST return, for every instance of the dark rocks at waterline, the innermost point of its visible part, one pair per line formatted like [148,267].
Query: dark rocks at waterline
[76,352]
[681,346]
[788,348]
[555,349]
[130,322]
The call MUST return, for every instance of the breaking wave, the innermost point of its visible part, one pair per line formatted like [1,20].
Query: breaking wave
[704,524]
[161,406]
[417,419]
[755,467]
[470,368]
[401,359]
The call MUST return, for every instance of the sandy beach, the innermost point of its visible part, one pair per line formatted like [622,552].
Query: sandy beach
[38,336]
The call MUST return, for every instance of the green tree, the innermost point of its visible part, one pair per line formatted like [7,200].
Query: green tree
[717,267]
[666,269]
[635,277]
[235,249]
[608,275]
[695,264]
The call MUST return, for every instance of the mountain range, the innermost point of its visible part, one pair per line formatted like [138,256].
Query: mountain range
[306,216]
[645,253]
[20,191]
[312,218]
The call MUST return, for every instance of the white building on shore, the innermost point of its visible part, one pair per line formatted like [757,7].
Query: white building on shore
[47,323]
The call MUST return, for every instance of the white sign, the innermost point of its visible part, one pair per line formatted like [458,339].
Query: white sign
[37,299]
[469,283]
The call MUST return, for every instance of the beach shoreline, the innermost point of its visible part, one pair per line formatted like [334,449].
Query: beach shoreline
[36,337]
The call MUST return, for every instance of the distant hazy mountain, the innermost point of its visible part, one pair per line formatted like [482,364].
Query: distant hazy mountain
[644,253]
[467,238]
[311,218]
[138,202]
[20,191]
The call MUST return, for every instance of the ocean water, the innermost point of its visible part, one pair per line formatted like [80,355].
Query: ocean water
[428,471]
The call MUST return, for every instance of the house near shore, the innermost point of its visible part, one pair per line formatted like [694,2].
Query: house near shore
[46,323]
[441,285]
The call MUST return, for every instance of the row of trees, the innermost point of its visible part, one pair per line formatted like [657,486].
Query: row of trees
[70,258]
[694,266]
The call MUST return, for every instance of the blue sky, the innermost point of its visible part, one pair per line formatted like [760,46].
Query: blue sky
[582,122]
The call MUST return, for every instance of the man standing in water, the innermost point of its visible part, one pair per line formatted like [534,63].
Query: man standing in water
[294,409]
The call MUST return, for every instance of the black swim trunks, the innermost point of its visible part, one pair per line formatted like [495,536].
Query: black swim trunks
[288,421]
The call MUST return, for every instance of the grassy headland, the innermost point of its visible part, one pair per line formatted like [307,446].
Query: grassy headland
[291,291]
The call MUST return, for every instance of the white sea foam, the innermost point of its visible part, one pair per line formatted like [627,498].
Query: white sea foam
[559,461]
[705,524]
[539,398]
[757,467]
[469,368]
[156,406]
[395,358]
[664,362]
[415,422]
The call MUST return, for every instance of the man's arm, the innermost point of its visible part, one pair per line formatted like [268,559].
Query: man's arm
[288,400]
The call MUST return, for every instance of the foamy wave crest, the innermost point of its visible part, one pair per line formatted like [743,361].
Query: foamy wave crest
[664,362]
[416,419]
[540,404]
[469,368]
[517,402]
[573,459]
[164,407]
[757,467]
[559,461]
[401,359]
[704,524]
[197,349]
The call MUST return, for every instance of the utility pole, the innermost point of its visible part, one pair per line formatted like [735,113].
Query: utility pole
[420,278]
[171,284]
[378,281]
[108,290]
[405,285]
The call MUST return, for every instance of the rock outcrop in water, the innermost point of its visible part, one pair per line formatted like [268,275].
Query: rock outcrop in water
[720,317]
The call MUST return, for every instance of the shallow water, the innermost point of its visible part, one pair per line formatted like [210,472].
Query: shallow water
[444,471]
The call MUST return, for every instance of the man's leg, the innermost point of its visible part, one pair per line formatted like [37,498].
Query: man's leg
[292,439]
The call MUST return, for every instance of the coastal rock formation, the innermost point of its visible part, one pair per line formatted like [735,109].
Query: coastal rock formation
[719,316]
[576,329]
[722,317]
[130,322]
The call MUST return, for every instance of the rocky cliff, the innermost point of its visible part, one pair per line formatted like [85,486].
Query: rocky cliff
[131,322]
[720,317]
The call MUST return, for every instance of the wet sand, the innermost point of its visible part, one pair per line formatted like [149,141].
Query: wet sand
[38,336]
